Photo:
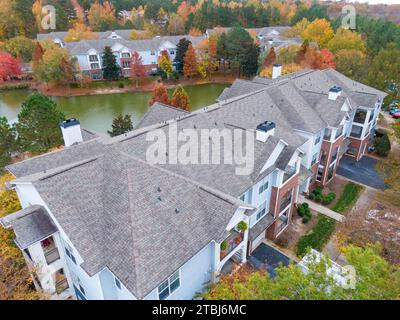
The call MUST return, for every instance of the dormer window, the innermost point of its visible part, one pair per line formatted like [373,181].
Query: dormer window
[93,58]
[126,55]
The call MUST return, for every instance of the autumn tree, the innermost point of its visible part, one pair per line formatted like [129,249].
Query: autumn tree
[55,66]
[376,279]
[38,124]
[111,69]
[352,63]
[20,47]
[194,32]
[302,51]
[180,98]
[101,16]
[176,25]
[190,63]
[80,32]
[138,70]
[269,58]
[346,39]
[319,31]
[121,124]
[327,59]
[9,66]
[165,64]
[159,94]
[37,56]
[298,29]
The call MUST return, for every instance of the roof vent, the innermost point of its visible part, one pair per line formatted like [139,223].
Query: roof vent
[334,92]
[276,70]
[264,130]
[176,211]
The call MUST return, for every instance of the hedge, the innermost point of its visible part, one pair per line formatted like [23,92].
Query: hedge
[319,235]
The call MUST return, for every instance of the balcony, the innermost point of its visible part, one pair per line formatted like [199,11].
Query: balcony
[360,116]
[289,172]
[61,281]
[282,222]
[230,243]
[327,134]
[50,250]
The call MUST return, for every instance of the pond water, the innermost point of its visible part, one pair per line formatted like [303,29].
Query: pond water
[97,112]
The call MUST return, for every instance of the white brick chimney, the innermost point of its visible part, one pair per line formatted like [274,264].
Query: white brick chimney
[71,131]
[334,92]
[276,70]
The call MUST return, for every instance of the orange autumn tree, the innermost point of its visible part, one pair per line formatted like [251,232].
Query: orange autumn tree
[194,32]
[190,63]
[160,94]
[138,70]
[101,15]
[180,98]
[269,58]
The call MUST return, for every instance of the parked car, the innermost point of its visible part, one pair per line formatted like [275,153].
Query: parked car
[396,115]
[394,110]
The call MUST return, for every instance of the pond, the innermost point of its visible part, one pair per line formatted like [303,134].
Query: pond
[96,112]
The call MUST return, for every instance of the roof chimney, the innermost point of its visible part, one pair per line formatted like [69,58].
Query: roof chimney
[264,130]
[71,131]
[334,92]
[276,70]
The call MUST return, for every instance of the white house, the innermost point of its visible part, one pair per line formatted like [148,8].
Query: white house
[101,222]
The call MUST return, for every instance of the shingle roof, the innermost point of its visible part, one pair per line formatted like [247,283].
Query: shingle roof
[30,225]
[158,113]
[141,222]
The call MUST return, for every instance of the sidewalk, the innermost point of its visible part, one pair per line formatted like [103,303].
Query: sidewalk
[322,209]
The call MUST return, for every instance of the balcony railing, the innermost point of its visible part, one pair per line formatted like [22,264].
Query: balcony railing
[51,255]
[289,172]
[282,223]
[62,285]
[231,242]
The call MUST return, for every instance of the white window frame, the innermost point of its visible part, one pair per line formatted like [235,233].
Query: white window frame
[263,187]
[262,207]
[168,286]
[94,55]
[314,158]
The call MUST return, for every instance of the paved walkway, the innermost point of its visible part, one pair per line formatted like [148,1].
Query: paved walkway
[322,209]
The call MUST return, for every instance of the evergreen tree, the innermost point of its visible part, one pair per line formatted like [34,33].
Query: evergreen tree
[181,48]
[250,62]
[111,69]
[180,98]
[160,94]
[8,142]
[121,124]
[38,124]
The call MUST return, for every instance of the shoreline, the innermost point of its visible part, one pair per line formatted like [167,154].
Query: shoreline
[65,91]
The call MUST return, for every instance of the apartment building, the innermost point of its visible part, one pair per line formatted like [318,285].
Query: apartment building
[88,53]
[101,222]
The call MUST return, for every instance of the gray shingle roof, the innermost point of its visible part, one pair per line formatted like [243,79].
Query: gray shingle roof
[158,113]
[141,222]
[30,225]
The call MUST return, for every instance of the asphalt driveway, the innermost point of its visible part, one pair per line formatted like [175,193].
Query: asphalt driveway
[362,171]
[268,258]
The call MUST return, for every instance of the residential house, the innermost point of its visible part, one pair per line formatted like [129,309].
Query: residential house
[99,221]
[89,52]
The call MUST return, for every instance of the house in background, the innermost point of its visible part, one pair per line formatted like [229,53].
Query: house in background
[101,222]
[89,52]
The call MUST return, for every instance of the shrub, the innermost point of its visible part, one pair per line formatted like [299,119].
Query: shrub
[242,226]
[318,197]
[224,245]
[311,196]
[304,211]
[382,145]
[329,198]
[121,85]
[319,235]
[317,191]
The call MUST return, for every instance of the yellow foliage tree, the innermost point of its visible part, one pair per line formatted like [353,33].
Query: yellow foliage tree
[346,39]
[101,15]
[286,69]
[298,29]
[319,31]
[80,32]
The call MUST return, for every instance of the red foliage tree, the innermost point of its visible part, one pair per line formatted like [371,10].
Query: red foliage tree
[327,59]
[160,94]
[269,58]
[9,66]
[138,70]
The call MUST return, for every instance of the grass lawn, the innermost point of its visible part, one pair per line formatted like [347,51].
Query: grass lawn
[325,226]
[348,197]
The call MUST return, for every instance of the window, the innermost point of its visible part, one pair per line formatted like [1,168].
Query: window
[360,116]
[94,66]
[126,55]
[356,131]
[168,286]
[118,283]
[286,200]
[263,187]
[320,173]
[339,132]
[153,53]
[314,158]
[68,252]
[317,140]
[171,52]
[93,58]
[126,64]
[327,134]
[334,154]
[243,197]
[261,212]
